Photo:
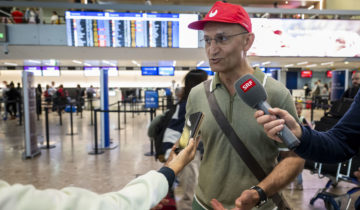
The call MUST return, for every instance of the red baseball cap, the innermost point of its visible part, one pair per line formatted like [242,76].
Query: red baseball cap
[224,13]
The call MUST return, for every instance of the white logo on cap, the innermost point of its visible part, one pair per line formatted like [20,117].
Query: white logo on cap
[213,13]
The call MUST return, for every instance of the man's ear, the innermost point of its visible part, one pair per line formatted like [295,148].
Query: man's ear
[248,41]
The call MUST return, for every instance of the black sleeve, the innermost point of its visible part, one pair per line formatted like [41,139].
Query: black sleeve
[169,174]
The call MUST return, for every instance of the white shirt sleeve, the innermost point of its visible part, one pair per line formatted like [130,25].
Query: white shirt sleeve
[143,192]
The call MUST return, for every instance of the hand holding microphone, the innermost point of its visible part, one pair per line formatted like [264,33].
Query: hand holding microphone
[253,94]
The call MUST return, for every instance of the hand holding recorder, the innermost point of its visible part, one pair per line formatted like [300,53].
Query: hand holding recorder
[253,94]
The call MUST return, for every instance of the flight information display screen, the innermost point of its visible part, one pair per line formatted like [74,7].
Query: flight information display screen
[166,71]
[35,69]
[115,29]
[149,71]
[51,71]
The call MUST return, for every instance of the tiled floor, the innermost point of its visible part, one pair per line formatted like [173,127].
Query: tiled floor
[69,164]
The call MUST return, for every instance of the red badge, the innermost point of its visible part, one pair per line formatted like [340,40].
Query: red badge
[247,85]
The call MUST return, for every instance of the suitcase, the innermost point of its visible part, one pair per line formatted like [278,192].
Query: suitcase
[68,108]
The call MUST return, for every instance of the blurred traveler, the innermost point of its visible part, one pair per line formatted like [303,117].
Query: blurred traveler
[143,192]
[17,15]
[355,80]
[54,18]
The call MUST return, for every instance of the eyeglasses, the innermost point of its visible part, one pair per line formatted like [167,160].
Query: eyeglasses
[221,39]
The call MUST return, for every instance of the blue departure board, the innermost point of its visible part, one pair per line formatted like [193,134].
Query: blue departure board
[149,71]
[115,29]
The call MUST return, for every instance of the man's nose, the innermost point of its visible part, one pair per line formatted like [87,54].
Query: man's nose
[213,48]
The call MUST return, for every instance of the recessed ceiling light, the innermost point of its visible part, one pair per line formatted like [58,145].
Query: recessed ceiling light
[76,61]
[327,63]
[302,63]
[346,62]
[289,65]
[266,63]
[10,64]
[200,63]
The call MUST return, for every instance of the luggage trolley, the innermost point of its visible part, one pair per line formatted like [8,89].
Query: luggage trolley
[336,173]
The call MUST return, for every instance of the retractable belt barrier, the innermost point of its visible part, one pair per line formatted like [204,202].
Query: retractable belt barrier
[47,135]
[96,150]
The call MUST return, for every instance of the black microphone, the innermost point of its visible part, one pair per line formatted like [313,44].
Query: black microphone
[254,95]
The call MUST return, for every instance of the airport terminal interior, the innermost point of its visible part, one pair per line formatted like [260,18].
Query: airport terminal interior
[66,61]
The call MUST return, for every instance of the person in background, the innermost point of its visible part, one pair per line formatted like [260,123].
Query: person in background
[355,80]
[298,183]
[325,96]
[307,90]
[5,88]
[38,99]
[12,96]
[188,177]
[32,16]
[47,96]
[223,175]
[54,18]
[90,95]
[143,192]
[79,97]
[178,93]
[17,15]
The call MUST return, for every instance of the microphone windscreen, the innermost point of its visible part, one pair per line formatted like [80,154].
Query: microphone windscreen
[250,90]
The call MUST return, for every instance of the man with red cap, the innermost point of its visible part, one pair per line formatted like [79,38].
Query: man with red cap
[224,178]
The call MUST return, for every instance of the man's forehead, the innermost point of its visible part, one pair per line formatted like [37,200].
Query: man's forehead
[217,27]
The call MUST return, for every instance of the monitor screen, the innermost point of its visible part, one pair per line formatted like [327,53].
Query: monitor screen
[149,71]
[207,69]
[306,74]
[51,71]
[166,71]
[35,69]
[116,29]
[91,71]
[329,74]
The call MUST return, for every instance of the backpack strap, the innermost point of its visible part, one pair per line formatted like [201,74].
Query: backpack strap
[238,144]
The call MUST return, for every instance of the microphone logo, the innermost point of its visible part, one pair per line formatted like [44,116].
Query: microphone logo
[246,86]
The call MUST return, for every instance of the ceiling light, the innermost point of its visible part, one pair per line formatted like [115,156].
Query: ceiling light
[174,63]
[289,65]
[327,63]
[311,65]
[87,64]
[134,62]
[266,63]
[286,2]
[311,7]
[302,63]
[256,65]
[200,63]
[76,61]
[10,64]
[346,62]
[34,61]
